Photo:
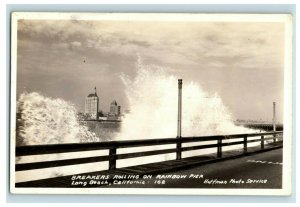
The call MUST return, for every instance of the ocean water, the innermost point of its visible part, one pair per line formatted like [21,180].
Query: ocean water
[106,131]
[152,97]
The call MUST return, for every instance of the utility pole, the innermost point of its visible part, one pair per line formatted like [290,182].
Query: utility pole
[97,100]
[274,116]
[274,120]
[178,153]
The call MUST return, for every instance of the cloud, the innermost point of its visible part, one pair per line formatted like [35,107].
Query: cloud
[59,30]
[206,52]
[177,43]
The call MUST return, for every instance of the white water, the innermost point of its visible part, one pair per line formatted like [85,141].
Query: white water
[152,97]
[50,121]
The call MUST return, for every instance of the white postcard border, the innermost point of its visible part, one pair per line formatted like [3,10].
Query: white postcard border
[288,113]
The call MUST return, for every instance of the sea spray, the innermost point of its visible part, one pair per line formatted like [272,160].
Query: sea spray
[152,96]
[49,121]
[42,120]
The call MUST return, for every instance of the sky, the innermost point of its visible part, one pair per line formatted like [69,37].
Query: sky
[242,62]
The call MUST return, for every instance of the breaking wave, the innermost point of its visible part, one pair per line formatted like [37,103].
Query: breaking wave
[152,97]
[49,121]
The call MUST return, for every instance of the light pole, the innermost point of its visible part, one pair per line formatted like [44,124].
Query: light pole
[178,152]
[274,120]
[274,116]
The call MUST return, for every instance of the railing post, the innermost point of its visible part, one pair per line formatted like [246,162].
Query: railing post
[262,142]
[112,158]
[245,144]
[219,154]
[178,149]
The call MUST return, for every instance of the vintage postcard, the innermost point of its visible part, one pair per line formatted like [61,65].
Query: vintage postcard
[136,103]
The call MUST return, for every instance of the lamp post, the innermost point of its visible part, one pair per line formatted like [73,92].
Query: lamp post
[274,120]
[274,116]
[178,152]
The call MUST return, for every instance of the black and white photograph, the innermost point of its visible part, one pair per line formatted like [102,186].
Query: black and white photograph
[151,103]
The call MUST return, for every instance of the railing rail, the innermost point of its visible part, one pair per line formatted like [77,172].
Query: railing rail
[112,146]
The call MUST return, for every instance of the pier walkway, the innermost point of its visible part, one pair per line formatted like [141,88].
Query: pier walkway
[258,170]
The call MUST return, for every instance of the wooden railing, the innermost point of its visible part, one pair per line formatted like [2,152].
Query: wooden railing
[112,146]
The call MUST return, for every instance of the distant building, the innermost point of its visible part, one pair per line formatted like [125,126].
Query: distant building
[119,110]
[92,105]
[115,109]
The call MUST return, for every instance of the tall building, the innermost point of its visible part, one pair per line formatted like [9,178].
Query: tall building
[115,109]
[92,105]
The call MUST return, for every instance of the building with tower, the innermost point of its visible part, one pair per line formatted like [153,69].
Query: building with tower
[92,106]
